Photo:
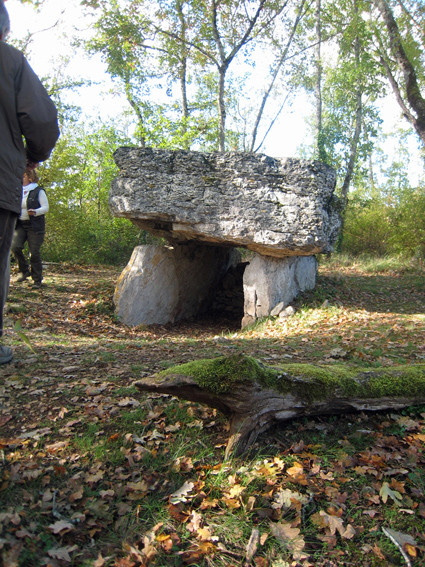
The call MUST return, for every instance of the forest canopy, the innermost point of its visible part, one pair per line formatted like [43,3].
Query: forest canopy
[222,75]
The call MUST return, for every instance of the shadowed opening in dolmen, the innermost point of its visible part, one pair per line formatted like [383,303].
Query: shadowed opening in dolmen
[228,298]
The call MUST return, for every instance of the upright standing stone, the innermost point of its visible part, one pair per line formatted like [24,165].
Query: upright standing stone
[269,281]
[166,284]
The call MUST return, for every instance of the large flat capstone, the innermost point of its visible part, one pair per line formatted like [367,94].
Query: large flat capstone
[275,207]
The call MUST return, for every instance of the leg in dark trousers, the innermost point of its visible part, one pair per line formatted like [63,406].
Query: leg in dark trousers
[18,243]
[35,240]
[7,225]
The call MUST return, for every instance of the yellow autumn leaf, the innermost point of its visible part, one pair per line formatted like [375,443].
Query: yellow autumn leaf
[296,470]
[204,534]
[232,503]
[411,550]
[236,491]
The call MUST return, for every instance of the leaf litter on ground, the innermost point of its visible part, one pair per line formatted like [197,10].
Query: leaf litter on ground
[93,474]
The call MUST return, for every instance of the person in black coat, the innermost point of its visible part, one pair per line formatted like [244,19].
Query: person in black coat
[28,133]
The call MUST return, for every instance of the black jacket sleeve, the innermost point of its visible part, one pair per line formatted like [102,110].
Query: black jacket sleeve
[37,115]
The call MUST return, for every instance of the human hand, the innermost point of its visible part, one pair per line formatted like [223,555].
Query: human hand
[31,212]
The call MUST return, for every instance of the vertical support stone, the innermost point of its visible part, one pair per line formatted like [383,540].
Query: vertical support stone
[269,281]
[162,285]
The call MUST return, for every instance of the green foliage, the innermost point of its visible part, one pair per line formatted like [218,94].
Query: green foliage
[77,179]
[386,224]
[186,63]
[367,228]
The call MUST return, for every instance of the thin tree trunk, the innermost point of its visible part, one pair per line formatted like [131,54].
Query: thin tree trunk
[353,150]
[354,143]
[139,115]
[183,66]
[269,89]
[221,110]
[225,61]
[320,153]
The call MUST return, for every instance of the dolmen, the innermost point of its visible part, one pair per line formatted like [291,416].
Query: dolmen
[235,225]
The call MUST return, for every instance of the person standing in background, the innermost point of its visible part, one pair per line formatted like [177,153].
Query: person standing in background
[31,227]
[28,133]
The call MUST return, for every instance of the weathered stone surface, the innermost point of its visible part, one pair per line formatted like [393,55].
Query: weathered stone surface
[165,284]
[272,283]
[276,207]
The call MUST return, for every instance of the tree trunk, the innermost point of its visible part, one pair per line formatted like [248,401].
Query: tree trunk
[255,397]
[221,110]
[413,94]
[320,152]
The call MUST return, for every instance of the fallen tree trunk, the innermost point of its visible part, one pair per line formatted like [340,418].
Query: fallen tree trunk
[254,396]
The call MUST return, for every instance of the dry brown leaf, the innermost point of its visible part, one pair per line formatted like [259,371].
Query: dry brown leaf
[100,561]
[4,419]
[286,498]
[296,470]
[208,504]
[183,464]
[77,495]
[232,503]
[195,523]
[332,524]
[62,553]
[289,537]
[61,527]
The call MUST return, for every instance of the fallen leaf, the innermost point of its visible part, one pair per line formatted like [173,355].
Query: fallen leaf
[332,524]
[129,402]
[4,419]
[62,553]
[286,498]
[61,527]
[182,494]
[236,491]
[289,537]
[204,534]
[386,492]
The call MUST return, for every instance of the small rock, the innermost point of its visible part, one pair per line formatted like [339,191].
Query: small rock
[288,312]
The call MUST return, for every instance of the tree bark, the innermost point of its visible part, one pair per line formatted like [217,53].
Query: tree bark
[413,94]
[252,407]
[320,153]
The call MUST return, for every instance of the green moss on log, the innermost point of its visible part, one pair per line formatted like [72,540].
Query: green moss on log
[306,381]
[320,382]
[218,375]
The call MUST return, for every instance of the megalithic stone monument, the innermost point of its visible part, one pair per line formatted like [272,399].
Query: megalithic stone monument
[206,205]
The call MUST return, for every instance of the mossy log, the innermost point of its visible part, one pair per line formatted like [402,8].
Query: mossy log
[254,396]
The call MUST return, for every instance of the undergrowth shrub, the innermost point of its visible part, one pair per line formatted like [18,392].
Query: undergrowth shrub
[386,225]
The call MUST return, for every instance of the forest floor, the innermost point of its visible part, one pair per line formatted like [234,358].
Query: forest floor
[94,473]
